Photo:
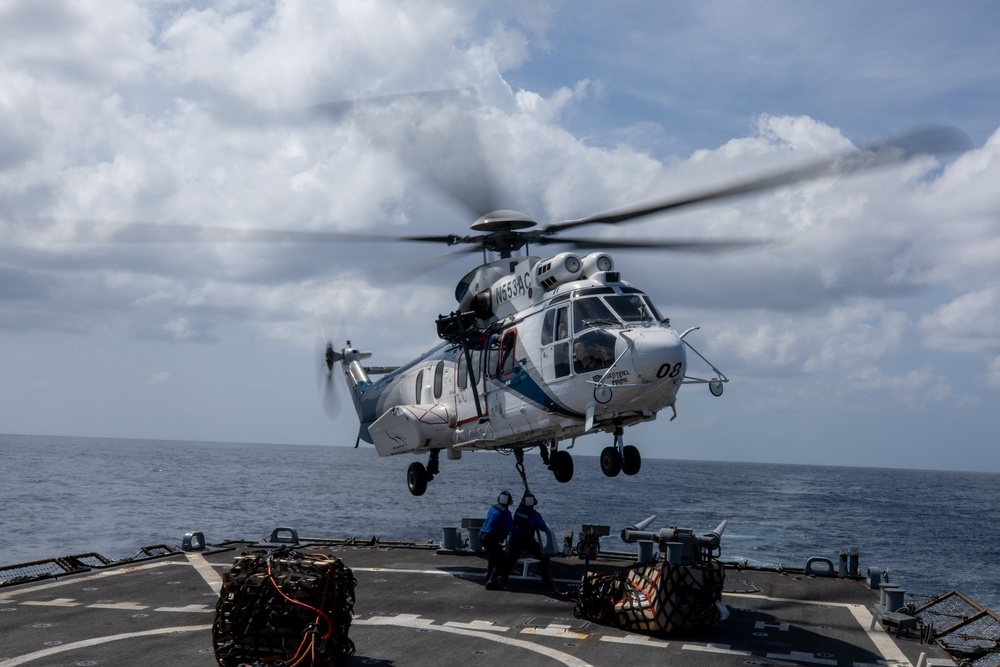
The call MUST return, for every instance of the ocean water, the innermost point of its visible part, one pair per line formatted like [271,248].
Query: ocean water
[934,531]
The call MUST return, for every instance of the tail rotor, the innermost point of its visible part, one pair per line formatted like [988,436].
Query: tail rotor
[329,395]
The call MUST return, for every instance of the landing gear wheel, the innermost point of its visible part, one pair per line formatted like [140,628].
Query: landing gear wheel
[562,466]
[611,461]
[416,478]
[631,460]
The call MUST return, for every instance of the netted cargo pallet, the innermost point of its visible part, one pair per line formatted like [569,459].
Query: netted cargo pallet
[657,598]
[285,608]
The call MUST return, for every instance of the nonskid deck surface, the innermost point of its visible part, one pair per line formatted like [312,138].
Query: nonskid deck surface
[417,607]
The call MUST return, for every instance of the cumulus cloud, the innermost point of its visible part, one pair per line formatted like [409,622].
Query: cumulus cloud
[969,323]
[920,387]
[849,335]
[993,373]
[158,378]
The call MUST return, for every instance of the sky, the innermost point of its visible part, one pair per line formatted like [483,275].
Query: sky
[869,335]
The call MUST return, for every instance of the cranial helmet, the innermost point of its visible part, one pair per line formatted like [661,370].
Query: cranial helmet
[505,498]
[529,500]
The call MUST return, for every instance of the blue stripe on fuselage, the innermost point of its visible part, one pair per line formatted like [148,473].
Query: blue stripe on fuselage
[525,385]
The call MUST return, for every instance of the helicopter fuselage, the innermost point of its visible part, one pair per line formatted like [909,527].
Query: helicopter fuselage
[542,356]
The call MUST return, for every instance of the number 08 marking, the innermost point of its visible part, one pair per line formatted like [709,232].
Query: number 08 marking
[666,370]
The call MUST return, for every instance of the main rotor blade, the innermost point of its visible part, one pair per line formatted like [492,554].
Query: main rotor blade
[422,130]
[407,270]
[705,246]
[144,232]
[936,140]
[339,109]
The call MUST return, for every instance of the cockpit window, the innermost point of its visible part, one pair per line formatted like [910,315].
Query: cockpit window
[592,351]
[631,308]
[652,309]
[590,312]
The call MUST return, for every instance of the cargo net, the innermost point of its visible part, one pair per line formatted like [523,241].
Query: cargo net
[657,598]
[51,567]
[968,632]
[284,609]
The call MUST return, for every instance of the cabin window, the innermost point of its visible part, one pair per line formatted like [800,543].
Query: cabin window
[439,379]
[594,350]
[560,359]
[493,357]
[548,326]
[463,369]
[420,385]
[589,312]
[476,367]
[562,323]
[507,356]
[555,326]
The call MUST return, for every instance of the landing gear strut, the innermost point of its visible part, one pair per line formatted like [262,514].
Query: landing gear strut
[620,457]
[417,475]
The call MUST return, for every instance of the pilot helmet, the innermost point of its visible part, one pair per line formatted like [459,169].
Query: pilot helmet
[505,498]
[529,499]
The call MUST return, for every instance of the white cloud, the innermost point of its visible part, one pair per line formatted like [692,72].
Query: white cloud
[969,323]
[79,43]
[993,373]
[919,387]
[180,329]
[844,337]
[158,378]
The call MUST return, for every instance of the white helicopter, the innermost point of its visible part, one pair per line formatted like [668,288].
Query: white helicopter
[541,350]
[538,352]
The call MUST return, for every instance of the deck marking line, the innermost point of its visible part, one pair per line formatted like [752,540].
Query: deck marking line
[205,569]
[488,626]
[883,643]
[409,621]
[465,574]
[714,648]
[800,656]
[188,608]
[95,641]
[127,606]
[58,602]
[637,640]
[404,570]
[845,605]
[554,631]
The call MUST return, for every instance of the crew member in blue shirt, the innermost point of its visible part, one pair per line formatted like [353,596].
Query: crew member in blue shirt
[527,525]
[497,526]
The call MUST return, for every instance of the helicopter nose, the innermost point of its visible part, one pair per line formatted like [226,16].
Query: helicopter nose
[658,355]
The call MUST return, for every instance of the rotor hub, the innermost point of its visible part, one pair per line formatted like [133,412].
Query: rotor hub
[503,221]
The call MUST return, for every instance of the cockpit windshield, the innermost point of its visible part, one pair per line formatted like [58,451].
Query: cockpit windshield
[633,308]
[590,312]
[613,309]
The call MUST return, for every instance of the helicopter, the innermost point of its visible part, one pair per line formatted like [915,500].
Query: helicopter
[541,350]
